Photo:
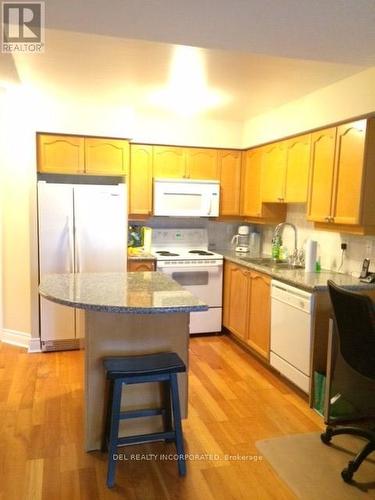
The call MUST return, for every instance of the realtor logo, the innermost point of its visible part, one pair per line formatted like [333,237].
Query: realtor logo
[23,27]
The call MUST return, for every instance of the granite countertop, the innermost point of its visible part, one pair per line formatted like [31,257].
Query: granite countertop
[312,282]
[132,293]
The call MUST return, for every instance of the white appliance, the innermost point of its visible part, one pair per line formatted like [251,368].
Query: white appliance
[183,254]
[241,239]
[186,198]
[292,312]
[82,228]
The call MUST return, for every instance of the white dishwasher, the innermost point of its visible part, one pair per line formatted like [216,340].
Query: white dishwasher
[291,332]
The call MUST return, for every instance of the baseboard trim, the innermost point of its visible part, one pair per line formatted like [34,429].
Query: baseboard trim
[34,345]
[13,337]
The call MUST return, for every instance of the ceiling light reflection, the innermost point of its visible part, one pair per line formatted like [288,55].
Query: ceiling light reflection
[187,92]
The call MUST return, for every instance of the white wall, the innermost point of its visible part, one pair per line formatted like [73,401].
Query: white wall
[2,92]
[348,98]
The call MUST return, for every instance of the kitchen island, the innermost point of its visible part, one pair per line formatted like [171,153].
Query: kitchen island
[125,314]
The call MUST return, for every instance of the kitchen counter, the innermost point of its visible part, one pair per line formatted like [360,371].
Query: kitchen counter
[312,282]
[131,293]
[126,314]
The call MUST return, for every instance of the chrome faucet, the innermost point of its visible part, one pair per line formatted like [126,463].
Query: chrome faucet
[280,228]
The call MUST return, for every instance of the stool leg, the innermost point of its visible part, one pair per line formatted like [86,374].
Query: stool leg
[113,432]
[108,400]
[177,425]
[167,414]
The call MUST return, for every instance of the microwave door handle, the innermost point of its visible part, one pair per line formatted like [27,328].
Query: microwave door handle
[210,205]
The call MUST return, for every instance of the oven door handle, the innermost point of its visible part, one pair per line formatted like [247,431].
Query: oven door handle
[204,267]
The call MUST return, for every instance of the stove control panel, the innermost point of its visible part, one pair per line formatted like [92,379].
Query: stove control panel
[180,237]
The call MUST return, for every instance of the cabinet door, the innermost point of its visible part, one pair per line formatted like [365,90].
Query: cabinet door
[349,165]
[201,163]
[140,265]
[251,181]
[260,314]
[230,179]
[226,292]
[168,162]
[297,169]
[239,301]
[273,173]
[321,175]
[140,182]
[60,154]
[106,156]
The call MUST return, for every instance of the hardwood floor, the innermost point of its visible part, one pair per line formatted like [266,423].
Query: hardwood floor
[234,401]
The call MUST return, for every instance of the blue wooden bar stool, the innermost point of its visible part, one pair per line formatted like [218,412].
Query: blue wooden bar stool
[161,367]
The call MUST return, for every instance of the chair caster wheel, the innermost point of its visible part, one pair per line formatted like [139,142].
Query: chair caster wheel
[347,475]
[326,436]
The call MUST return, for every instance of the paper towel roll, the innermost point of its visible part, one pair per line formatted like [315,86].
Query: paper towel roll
[310,256]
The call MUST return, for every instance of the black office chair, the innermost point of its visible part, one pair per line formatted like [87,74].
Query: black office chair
[354,365]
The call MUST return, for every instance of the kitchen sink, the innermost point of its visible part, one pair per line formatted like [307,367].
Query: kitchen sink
[268,262]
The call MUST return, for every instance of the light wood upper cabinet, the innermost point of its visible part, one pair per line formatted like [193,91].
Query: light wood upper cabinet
[297,169]
[260,314]
[140,180]
[64,154]
[251,183]
[106,156]
[247,306]
[273,173]
[201,163]
[342,178]
[349,168]
[321,175]
[252,206]
[229,163]
[169,162]
[60,154]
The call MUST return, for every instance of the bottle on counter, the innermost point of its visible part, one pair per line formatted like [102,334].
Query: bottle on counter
[276,244]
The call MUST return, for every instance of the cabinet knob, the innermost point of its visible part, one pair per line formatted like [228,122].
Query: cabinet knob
[326,219]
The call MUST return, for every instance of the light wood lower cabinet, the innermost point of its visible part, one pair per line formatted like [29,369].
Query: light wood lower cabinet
[259,313]
[247,306]
[141,265]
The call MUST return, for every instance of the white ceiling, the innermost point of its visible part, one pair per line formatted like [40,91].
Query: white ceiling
[259,53]
[326,30]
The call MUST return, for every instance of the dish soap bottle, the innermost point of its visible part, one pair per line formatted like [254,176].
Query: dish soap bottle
[276,244]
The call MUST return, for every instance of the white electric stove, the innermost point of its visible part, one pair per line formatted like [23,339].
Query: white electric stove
[183,254]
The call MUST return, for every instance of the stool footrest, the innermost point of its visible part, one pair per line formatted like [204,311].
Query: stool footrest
[143,438]
[147,412]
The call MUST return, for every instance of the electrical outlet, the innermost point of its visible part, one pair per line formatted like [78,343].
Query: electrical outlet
[370,246]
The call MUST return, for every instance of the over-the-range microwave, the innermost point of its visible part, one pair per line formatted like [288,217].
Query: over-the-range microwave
[186,198]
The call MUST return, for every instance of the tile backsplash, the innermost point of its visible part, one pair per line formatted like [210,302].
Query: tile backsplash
[329,243]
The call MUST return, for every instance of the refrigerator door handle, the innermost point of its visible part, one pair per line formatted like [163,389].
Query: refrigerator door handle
[77,245]
[71,244]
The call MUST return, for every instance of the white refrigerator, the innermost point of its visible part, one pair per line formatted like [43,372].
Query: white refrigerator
[82,228]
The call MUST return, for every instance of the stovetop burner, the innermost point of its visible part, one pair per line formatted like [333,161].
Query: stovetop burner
[200,252]
[166,253]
